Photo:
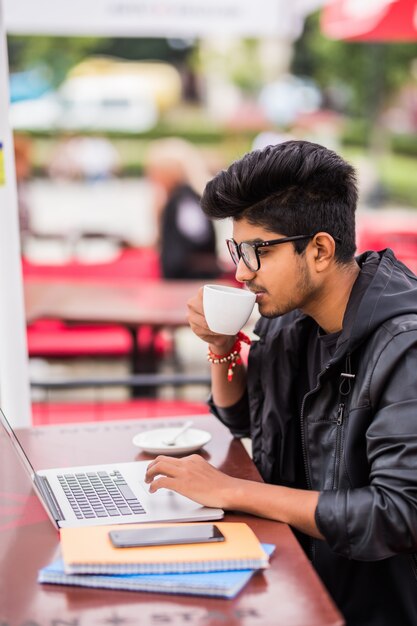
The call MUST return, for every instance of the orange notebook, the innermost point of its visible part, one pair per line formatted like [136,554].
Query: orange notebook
[89,551]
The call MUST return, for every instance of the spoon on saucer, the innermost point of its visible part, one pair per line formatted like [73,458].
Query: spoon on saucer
[170,441]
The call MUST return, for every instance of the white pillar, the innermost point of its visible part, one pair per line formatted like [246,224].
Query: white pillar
[14,370]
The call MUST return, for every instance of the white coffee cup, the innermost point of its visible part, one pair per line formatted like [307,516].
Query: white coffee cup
[227,309]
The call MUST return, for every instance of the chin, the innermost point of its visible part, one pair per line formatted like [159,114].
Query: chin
[272,311]
[269,314]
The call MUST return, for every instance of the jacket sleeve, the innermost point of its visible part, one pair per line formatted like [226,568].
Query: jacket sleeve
[379,520]
[235,417]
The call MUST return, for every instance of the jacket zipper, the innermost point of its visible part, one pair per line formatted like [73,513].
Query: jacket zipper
[304,451]
[339,423]
[414,564]
[345,389]
[337,457]
[303,440]
[312,546]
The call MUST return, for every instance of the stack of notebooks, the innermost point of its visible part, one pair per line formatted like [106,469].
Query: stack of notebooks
[88,559]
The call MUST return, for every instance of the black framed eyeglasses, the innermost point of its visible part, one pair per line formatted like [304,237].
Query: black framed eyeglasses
[249,251]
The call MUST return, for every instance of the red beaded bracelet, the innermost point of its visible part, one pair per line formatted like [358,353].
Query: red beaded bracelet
[233,357]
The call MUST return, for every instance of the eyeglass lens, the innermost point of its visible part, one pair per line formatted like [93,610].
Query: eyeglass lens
[234,252]
[248,254]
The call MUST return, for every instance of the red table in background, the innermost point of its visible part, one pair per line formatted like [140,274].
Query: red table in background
[160,303]
[53,338]
[153,304]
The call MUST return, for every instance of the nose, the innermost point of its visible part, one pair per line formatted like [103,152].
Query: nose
[243,274]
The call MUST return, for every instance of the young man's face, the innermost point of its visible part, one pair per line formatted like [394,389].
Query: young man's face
[283,282]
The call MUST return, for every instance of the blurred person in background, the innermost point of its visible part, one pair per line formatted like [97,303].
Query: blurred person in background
[23,164]
[84,158]
[186,237]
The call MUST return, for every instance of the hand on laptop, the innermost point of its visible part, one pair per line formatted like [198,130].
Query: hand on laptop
[194,478]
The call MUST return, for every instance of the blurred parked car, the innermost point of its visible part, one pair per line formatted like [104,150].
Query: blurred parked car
[36,113]
[103,95]
[106,103]
[159,81]
[29,84]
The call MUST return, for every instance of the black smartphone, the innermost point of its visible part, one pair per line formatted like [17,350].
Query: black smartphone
[165,535]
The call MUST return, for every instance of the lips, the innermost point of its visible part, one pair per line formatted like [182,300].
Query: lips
[259,293]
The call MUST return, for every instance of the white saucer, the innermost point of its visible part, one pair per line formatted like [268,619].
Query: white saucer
[152,441]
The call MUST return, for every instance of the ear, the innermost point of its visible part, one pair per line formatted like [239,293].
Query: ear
[323,248]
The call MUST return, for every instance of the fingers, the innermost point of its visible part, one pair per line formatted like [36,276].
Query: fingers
[190,476]
[165,473]
[173,468]
[196,317]
[163,457]
[161,483]
[199,326]
[161,465]
[195,305]
[198,323]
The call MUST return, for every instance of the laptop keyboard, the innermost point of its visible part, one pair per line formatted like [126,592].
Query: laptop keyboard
[100,494]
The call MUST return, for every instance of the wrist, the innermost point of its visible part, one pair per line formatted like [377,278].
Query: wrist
[223,346]
[233,494]
[231,358]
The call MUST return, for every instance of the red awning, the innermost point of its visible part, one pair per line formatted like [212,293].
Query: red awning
[370,20]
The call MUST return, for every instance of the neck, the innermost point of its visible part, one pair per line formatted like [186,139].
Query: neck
[329,307]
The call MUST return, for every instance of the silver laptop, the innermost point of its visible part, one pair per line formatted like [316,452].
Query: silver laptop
[116,493]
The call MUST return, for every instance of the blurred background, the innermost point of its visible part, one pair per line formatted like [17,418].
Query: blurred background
[87,110]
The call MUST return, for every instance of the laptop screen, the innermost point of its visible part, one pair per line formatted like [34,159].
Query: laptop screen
[8,430]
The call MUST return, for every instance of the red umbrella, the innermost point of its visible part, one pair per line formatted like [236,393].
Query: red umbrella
[370,20]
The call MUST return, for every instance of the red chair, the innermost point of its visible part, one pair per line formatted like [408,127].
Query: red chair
[131,264]
[397,231]
[54,339]
[52,412]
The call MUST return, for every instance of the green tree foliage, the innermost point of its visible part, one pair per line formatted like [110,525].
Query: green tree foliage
[59,54]
[370,73]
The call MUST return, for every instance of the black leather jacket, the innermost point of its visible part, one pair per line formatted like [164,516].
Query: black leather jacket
[354,436]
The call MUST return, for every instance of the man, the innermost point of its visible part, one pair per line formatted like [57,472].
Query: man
[330,394]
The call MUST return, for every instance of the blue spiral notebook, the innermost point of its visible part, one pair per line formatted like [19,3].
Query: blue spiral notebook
[225,584]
